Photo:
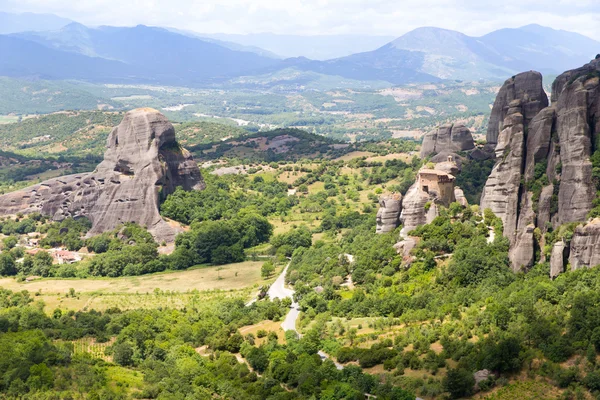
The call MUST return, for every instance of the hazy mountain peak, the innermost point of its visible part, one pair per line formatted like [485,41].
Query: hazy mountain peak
[13,23]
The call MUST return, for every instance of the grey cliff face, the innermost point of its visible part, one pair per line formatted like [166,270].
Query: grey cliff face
[388,215]
[558,258]
[585,246]
[143,162]
[413,211]
[447,139]
[501,192]
[526,87]
[543,173]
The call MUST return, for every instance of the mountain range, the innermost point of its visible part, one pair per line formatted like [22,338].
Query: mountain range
[143,54]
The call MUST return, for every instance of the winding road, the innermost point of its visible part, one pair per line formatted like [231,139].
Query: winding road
[279,291]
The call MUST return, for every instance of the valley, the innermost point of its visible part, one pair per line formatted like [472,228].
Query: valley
[196,216]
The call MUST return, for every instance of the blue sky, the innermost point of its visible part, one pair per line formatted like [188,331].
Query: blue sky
[308,17]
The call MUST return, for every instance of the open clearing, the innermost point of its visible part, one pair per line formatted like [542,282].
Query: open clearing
[225,277]
[7,119]
[165,289]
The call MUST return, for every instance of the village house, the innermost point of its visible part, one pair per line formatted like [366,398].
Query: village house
[65,257]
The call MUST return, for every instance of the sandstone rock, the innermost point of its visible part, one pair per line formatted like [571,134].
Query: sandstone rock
[404,247]
[544,213]
[143,162]
[526,87]
[480,155]
[521,254]
[585,246]
[481,376]
[413,208]
[448,139]
[388,215]
[538,140]
[460,197]
[501,191]
[560,137]
[558,258]
[449,167]
[577,124]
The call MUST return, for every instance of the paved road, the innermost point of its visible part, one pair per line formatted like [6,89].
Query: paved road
[279,291]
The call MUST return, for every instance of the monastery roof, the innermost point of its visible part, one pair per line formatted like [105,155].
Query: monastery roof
[435,172]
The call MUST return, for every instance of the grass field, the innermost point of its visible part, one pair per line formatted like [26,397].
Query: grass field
[225,277]
[524,390]
[167,289]
[7,119]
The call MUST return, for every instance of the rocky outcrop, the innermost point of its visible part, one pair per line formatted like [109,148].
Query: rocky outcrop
[413,208]
[460,197]
[585,246]
[480,376]
[451,165]
[525,87]
[143,162]
[558,258]
[543,173]
[501,192]
[388,215]
[447,139]
[405,247]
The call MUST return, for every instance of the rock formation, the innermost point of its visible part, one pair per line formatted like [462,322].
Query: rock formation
[143,162]
[526,87]
[558,258]
[543,172]
[585,246]
[432,189]
[388,215]
[447,139]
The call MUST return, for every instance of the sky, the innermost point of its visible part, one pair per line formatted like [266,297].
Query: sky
[313,17]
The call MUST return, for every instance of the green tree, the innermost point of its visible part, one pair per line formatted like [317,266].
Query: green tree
[123,354]
[267,269]
[458,382]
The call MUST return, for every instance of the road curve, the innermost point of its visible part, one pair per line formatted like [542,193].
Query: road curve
[279,291]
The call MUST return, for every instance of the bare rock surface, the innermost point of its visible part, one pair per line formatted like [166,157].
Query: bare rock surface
[585,246]
[413,208]
[543,172]
[460,197]
[526,87]
[388,215]
[481,376]
[558,258]
[447,139]
[501,192]
[143,162]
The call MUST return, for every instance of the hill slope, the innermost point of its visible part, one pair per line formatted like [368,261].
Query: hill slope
[10,22]
[451,54]
[140,54]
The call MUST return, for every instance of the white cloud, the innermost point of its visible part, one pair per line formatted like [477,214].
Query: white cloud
[387,17]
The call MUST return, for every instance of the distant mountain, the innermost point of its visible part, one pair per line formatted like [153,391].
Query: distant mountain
[497,55]
[230,45]
[316,47]
[385,64]
[144,53]
[543,49]
[28,59]
[429,54]
[11,23]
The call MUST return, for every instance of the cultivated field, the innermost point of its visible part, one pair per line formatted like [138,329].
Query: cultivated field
[167,289]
